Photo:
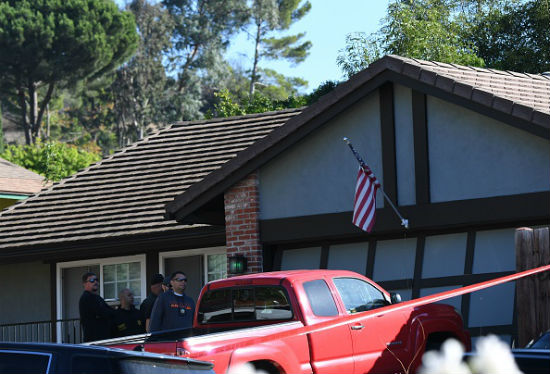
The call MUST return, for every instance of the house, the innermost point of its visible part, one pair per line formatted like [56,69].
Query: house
[463,152]
[17,183]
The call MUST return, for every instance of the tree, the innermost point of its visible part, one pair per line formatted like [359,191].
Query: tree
[1,130]
[51,44]
[140,88]
[424,29]
[201,34]
[228,104]
[268,16]
[53,160]
[511,35]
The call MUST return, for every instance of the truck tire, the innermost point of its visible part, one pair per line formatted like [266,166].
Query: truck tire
[435,340]
[266,366]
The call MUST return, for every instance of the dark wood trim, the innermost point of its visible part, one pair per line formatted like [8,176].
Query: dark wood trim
[501,211]
[421,157]
[387,130]
[209,236]
[278,259]
[53,299]
[268,254]
[369,271]
[323,263]
[400,284]
[151,267]
[461,280]
[418,263]
[497,330]
[468,270]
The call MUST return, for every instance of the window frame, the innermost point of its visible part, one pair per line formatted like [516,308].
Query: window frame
[99,262]
[205,252]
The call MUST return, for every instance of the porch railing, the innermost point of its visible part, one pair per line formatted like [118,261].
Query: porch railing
[69,331]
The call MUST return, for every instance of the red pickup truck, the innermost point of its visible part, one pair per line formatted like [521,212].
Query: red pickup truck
[306,321]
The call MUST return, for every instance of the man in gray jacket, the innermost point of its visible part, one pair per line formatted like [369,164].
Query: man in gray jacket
[173,309]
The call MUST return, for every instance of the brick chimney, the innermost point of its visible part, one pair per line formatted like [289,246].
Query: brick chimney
[242,222]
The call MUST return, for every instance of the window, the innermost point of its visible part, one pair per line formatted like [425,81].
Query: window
[244,304]
[320,298]
[358,295]
[216,266]
[24,362]
[119,276]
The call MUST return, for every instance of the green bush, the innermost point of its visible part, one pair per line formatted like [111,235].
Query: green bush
[53,160]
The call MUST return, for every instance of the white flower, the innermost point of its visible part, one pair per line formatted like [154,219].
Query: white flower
[493,357]
[447,361]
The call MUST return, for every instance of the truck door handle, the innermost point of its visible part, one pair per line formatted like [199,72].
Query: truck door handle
[357,327]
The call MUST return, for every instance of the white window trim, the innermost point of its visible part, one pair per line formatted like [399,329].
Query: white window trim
[192,252]
[101,262]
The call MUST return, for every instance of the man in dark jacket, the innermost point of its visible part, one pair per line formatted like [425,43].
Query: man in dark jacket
[128,320]
[146,306]
[95,315]
[173,309]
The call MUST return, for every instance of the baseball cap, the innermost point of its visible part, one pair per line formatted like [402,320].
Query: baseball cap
[156,279]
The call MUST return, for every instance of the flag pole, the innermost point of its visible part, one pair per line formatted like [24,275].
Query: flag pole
[404,222]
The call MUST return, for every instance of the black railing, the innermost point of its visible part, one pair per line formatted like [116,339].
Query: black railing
[69,331]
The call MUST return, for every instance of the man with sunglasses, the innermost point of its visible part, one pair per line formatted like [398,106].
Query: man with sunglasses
[173,309]
[95,315]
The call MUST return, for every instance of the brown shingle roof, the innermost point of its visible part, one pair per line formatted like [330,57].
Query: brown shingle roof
[125,194]
[17,180]
[529,90]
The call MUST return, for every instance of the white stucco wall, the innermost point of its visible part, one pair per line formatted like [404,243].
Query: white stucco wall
[473,156]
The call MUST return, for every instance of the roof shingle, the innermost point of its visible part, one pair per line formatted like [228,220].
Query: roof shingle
[125,194]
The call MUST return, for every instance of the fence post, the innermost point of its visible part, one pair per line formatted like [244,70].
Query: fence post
[532,293]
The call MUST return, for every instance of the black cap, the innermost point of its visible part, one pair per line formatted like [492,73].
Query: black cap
[156,279]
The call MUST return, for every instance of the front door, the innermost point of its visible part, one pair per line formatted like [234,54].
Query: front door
[71,279]
[193,267]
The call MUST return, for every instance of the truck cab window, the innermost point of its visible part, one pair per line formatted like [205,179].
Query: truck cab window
[358,295]
[320,299]
[244,304]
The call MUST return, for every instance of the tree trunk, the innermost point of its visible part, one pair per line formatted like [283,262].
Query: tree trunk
[26,126]
[253,74]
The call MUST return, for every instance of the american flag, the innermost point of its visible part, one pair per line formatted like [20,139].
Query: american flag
[365,199]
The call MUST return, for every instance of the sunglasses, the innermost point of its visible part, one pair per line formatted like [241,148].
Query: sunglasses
[180,279]
[92,280]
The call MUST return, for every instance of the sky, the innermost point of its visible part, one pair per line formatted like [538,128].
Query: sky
[326,26]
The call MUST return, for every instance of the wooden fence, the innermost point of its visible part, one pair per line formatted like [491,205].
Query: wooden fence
[532,293]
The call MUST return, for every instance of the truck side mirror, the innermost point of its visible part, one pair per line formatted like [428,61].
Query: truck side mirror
[395,297]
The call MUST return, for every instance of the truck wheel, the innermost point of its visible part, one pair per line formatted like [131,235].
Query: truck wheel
[267,367]
[435,341]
